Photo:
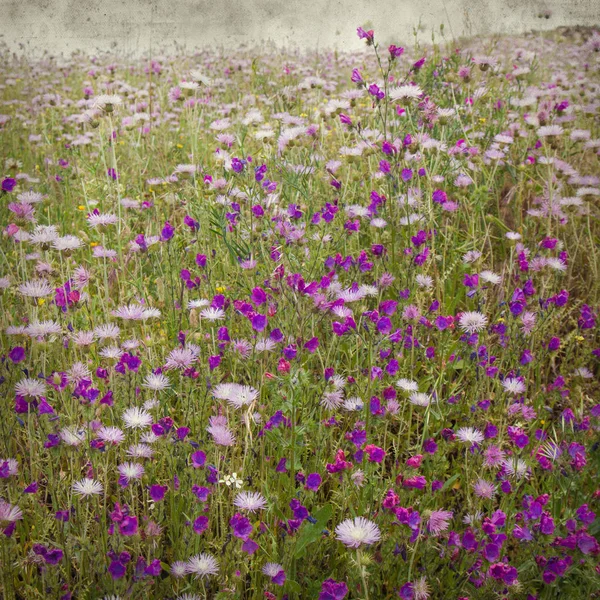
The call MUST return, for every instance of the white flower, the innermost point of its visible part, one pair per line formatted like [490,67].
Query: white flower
[355,532]
[420,399]
[469,435]
[490,277]
[212,314]
[32,388]
[156,382]
[71,436]
[67,242]
[472,321]
[87,487]
[130,471]
[137,418]
[235,394]
[232,480]
[250,501]
[424,281]
[405,91]
[36,288]
[202,564]
[111,435]
[513,385]
[408,385]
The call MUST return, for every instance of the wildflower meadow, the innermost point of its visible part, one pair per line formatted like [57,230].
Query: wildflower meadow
[298,325]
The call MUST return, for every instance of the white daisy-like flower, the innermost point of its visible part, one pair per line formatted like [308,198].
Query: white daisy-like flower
[424,281]
[202,565]
[250,501]
[512,235]
[130,471]
[490,277]
[102,220]
[338,381]
[36,288]
[192,304]
[212,314]
[140,451]
[265,345]
[516,467]
[556,264]
[408,385]
[87,487]
[137,418]
[514,386]
[107,331]
[472,321]
[179,569]
[470,435]
[341,312]
[353,533]
[235,394]
[112,352]
[351,295]
[156,382]
[77,372]
[67,243]
[182,358]
[405,92]
[420,399]
[31,388]
[41,329]
[353,404]
[44,235]
[83,338]
[550,131]
[107,102]
[72,436]
[271,569]
[332,400]
[110,435]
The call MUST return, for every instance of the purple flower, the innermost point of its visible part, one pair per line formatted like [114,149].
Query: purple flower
[200,524]
[198,459]
[242,528]
[17,354]
[167,232]
[407,591]
[154,568]
[157,492]
[313,481]
[116,569]
[250,546]
[333,590]
[8,184]
[259,322]
[128,526]
[258,296]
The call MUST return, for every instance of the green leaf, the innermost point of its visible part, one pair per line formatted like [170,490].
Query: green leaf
[450,481]
[312,532]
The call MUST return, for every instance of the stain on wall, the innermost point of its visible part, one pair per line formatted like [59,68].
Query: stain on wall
[138,26]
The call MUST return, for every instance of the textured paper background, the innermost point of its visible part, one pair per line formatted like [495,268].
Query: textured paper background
[140,25]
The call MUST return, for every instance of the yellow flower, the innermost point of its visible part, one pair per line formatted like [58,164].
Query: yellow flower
[41,301]
[482,120]
[93,244]
[81,207]
[579,338]
[501,319]
[220,289]
[180,145]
